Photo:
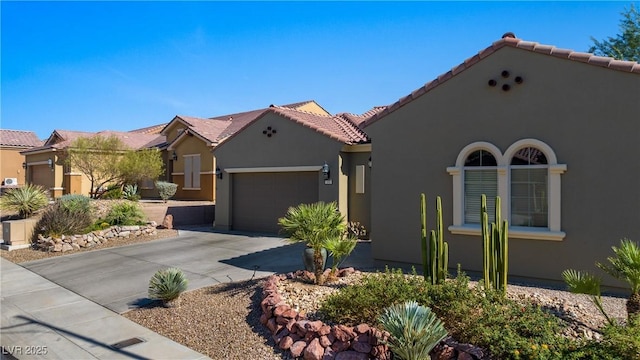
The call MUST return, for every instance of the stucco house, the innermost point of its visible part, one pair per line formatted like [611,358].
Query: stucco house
[555,133]
[12,163]
[190,143]
[288,156]
[46,166]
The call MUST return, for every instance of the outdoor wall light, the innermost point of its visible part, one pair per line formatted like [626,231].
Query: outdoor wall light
[174,156]
[369,162]
[325,170]
[218,173]
[50,163]
[24,165]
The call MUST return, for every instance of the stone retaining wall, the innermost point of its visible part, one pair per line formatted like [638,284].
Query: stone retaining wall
[315,340]
[66,243]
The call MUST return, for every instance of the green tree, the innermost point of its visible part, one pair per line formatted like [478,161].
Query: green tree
[626,45]
[107,161]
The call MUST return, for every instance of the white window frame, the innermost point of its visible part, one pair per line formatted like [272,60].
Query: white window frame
[553,232]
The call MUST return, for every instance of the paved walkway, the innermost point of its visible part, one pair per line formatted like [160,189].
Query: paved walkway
[73,312]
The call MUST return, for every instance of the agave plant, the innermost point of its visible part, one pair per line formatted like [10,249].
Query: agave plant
[24,200]
[625,266]
[167,285]
[414,330]
[314,224]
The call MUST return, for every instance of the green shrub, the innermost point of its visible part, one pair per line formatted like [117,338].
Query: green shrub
[130,192]
[24,200]
[126,213]
[167,284]
[414,330]
[114,192]
[59,220]
[75,203]
[166,189]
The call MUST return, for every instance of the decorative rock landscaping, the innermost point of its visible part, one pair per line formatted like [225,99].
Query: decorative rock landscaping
[314,340]
[66,243]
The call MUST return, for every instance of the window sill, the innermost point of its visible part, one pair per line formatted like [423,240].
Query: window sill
[514,232]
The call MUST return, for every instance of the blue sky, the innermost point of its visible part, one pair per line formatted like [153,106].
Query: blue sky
[119,65]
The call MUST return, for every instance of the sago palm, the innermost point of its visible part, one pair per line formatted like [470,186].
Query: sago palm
[585,283]
[314,224]
[625,266]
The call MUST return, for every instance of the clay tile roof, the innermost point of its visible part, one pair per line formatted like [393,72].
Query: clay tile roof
[19,139]
[61,139]
[509,40]
[336,127]
[209,129]
[154,129]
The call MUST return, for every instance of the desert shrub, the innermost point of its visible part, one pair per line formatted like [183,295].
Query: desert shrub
[113,192]
[58,220]
[414,330]
[167,284]
[75,203]
[364,302]
[125,213]
[130,192]
[24,200]
[166,189]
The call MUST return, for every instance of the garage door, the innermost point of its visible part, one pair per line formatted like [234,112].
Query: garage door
[41,175]
[259,199]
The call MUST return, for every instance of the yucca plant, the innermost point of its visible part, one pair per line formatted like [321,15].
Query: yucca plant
[625,266]
[414,330]
[24,200]
[314,224]
[584,283]
[167,285]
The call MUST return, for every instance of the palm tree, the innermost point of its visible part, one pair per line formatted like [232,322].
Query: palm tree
[625,266]
[314,224]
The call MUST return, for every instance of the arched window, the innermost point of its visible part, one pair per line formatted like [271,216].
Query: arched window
[480,177]
[529,188]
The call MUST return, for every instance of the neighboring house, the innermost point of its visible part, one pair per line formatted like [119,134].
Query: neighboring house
[190,144]
[46,165]
[286,157]
[12,163]
[555,133]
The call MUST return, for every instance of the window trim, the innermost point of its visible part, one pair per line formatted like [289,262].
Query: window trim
[553,232]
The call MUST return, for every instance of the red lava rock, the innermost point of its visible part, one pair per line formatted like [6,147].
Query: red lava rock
[340,334]
[297,348]
[447,353]
[362,328]
[310,336]
[282,320]
[375,336]
[339,345]
[324,330]
[324,341]
[290,324]
[465,356]
[295,336]
[278,311]
[264,318]
[285,343]
[361,347]
[314,326]
[329,354]
[302,326]
[313,351]
[290,314]
[362,338]
[277,337]
[351,355]
[346,272]
[271,325]
[167,223]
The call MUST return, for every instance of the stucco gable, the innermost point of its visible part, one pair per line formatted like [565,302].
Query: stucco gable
[510,41]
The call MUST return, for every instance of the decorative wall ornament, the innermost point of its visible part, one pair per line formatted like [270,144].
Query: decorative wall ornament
[505,81]
[269,131]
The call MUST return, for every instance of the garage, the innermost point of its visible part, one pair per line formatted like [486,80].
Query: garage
[41,175]
[259,199]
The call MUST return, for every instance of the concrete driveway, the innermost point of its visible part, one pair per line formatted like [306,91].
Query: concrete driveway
[117,278]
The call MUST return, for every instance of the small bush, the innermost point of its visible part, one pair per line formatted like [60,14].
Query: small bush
[75,203]
[126,213]
[59,220]
[166,189]
[24,200]
[167,285]
[414,330]
[114,192]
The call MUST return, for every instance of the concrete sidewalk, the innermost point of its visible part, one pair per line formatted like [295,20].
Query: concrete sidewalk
[41,320]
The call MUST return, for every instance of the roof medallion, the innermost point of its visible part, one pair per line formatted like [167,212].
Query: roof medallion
[269,131]
[505,81]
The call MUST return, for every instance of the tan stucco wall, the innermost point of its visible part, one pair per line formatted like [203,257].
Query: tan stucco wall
[11,164]
[587,114]
[312,107]
[190,145]
[359,204]
[292,145]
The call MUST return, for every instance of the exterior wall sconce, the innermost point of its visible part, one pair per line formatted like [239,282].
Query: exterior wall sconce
[369,163]
[24,165]
[174,156]
[325,171]
[50,163]
[218,173]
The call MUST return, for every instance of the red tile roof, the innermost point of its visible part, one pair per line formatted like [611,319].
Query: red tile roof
[154,129]
[19,139]
[61,139]
[509,40]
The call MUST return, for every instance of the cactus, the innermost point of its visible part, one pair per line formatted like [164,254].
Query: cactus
[435,252]
[495,248]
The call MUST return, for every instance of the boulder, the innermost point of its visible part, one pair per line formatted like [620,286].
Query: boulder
[313,351]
